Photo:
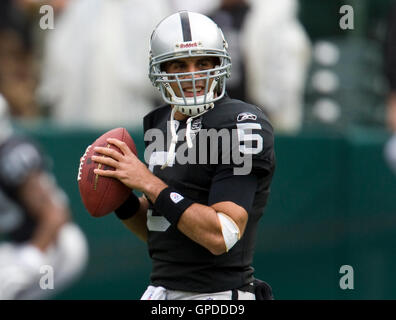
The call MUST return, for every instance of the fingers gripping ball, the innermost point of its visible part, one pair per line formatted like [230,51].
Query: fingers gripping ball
[102,195]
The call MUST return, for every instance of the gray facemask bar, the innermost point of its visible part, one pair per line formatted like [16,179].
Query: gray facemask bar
[165,79]
[161,80]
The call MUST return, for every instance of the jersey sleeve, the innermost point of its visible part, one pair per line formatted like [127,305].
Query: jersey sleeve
[18,159]
[223,188]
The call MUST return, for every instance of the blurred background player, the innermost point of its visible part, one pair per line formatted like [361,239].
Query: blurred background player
[390,72]
[203,6]
[390,68]
[270,53]
[230,16]
[277,55]
[35,222]
[94,63]
[17,71]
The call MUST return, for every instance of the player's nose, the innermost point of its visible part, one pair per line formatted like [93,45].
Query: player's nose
[191,68]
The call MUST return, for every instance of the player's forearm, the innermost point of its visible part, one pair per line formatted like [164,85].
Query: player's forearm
[48,227]
[198,222]
[152,186]
[46,205]
[138,223]
[201,224]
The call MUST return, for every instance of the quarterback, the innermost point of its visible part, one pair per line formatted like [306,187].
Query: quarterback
[199,218]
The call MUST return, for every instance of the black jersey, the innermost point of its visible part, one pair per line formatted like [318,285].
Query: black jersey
[19,157]
[178,262]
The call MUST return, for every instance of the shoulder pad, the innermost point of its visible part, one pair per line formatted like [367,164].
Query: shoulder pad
[150,120]
[252,134]
[229,112]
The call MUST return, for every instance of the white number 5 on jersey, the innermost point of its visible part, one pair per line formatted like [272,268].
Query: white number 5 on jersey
[245,134]
[157,223]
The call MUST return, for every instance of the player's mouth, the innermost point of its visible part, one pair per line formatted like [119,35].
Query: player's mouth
[189,92]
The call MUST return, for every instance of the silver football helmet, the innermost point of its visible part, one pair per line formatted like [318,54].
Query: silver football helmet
[182,35]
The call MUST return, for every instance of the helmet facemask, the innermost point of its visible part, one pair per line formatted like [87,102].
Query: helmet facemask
[213,83]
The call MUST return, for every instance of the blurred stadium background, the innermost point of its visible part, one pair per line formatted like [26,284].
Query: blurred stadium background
[333,198]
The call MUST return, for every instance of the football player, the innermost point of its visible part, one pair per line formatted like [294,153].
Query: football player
[41,250]
[199,213]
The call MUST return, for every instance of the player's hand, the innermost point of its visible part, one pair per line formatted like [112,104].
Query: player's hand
[128,168]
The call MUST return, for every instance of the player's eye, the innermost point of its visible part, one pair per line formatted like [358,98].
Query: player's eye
[176,67]
[205,64]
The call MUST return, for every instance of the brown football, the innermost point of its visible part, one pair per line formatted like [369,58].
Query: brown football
[102,195]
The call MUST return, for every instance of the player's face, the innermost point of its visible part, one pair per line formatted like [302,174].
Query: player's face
[191,64]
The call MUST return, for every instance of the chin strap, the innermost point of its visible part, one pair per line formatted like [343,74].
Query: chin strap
[188,129]
[171,152]
[172,147]
[205,106]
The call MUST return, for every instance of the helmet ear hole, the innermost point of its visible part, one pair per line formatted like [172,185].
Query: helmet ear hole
[164,66]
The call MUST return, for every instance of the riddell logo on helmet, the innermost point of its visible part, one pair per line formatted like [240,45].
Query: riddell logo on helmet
[187,45]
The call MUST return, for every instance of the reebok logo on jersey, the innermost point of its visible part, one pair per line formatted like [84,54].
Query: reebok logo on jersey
[246,116]
[175,197]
